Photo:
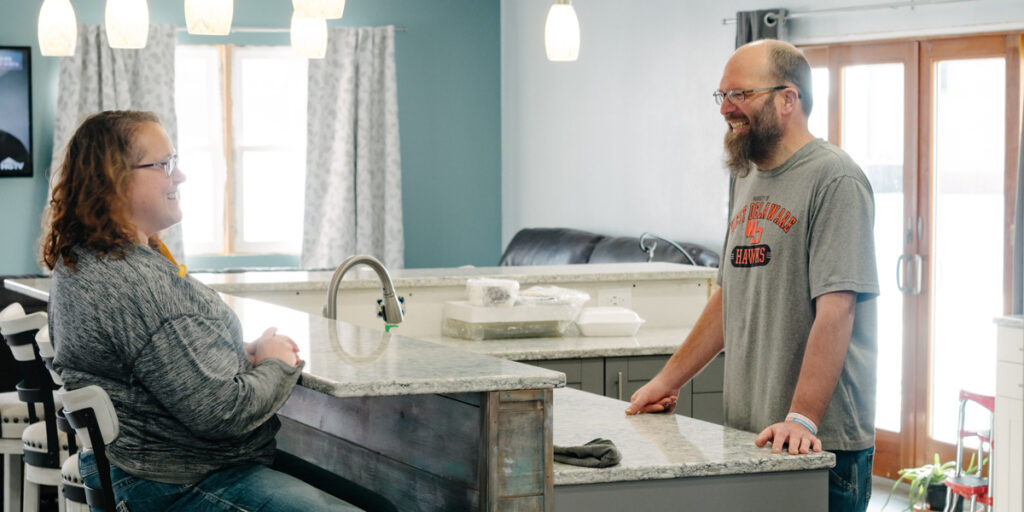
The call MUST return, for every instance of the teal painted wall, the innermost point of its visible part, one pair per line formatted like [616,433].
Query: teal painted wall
[448,67]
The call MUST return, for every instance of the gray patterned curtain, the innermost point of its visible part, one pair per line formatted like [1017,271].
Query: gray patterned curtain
[353,166]
[765,24]
[98,78]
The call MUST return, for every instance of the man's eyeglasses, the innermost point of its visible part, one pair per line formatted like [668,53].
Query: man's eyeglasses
[737,96]
[168,166]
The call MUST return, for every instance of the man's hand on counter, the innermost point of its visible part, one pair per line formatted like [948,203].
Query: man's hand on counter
[799,439]
[653,397]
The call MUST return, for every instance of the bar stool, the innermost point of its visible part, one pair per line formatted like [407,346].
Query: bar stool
[71,483]
[91,413]
[70,477]
[44,448]
[14,418]
[972,485]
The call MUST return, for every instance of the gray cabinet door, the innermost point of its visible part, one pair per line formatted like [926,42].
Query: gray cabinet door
[620,377]
[583,374]
[624,375]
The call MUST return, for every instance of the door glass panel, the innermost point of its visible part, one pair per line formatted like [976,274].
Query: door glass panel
[818,121]
[967,289]
[872,133]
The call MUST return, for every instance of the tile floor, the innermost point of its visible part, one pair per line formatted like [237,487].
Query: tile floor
[880,491]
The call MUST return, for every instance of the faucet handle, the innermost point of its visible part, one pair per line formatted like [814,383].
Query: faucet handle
[382,311]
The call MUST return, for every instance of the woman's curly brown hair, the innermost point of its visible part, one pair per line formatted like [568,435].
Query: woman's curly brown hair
[89,207]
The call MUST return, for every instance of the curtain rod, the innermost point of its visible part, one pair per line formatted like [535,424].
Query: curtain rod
[872,7]
[267,30]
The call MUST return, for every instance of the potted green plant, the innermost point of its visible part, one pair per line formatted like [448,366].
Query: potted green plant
[928,484]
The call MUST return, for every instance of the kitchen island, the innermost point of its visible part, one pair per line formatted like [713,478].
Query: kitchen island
[431,426]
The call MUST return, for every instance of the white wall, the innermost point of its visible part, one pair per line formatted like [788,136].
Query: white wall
[628,139]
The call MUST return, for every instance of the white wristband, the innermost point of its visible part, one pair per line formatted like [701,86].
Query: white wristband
[804,421]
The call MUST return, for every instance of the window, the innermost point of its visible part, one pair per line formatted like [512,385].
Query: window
[242,142]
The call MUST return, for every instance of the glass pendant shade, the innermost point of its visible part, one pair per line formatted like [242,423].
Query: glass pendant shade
[209,17]
[127,23]
[562,33]
[58,28]
[309,37]
[327,9]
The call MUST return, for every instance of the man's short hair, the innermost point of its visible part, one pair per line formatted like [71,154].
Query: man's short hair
[788,64]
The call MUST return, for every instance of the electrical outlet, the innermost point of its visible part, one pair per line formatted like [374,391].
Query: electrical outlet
[622,297]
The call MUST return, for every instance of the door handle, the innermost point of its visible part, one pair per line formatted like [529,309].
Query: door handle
[901,281]
[620,385]
[918,264]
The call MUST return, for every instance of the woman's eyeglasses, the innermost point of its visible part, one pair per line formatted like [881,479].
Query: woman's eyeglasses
[168,166]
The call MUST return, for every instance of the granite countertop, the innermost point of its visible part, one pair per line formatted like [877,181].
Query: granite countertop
[1011,321]
[659,446]
[647,341]
[363,277]
[346,360]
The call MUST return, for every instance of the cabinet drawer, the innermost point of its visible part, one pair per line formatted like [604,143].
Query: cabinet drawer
[1010,346]
[1010,380]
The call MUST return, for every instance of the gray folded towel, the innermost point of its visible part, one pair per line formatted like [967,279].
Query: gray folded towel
[599,453]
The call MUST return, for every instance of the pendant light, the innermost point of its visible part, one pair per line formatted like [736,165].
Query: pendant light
[127,23]
[562,33]
[309,37]
[58,28]
[209,17]
[327,9]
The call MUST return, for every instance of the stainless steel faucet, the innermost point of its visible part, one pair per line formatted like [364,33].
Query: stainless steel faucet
[390,307]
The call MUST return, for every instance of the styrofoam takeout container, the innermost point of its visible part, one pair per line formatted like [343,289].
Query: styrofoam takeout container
[608,321]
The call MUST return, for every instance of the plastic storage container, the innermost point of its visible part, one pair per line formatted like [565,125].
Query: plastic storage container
[462,320]
[608,321]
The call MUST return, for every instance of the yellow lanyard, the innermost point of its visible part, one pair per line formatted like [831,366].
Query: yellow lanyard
[167,254]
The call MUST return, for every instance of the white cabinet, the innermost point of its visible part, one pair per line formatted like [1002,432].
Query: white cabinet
[1008,461]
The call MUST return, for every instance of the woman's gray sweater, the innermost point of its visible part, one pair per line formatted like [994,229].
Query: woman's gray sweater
[170,354]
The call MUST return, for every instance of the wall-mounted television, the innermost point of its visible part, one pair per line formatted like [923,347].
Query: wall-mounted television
[15,112]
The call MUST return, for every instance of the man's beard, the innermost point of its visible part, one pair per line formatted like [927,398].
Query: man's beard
[758,144]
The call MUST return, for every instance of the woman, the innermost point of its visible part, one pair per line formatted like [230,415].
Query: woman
[196,405]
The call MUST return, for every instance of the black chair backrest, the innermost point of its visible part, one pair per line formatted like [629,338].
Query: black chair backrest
[36,387]
[102,498]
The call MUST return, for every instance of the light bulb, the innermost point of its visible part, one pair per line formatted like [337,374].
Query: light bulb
[562,33]
[58,28]
[127,23]
[309,37]
[327,9]
[209,17]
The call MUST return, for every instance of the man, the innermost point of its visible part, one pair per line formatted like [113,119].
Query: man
[795,313]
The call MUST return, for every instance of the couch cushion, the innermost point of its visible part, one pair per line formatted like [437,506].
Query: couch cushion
[549,246]
[623,249]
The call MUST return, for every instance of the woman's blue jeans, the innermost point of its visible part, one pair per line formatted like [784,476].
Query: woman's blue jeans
[849,483]
[251,487]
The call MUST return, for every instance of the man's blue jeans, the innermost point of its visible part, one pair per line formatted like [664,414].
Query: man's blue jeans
[251,487]
[849,483]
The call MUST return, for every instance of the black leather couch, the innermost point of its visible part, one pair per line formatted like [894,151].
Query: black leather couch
[562,246]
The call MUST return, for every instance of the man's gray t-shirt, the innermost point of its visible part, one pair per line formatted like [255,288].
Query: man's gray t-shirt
[796,232]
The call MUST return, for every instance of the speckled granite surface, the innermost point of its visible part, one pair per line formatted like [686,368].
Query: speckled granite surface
[362,277]
[648,341]
[1011,321]
[345,360]
[658,446]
